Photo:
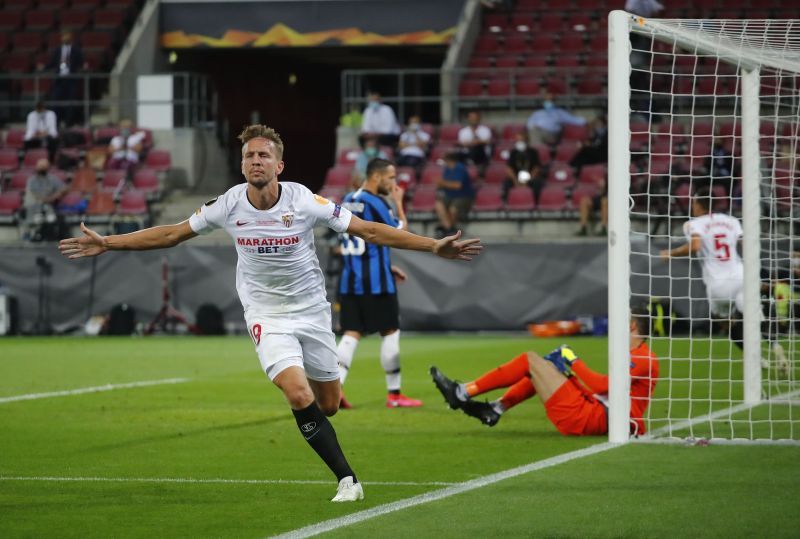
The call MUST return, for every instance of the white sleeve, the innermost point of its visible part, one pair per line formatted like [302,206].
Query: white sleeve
[50,118]
[737,227]
[366,121]
[691,228]
[210,216]
[464,135]
[30,126]
[485,134]
[115,143]
[325,211]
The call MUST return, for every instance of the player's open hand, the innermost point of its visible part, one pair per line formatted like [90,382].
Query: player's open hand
[399,274]
[664,255]
[450,247]
[90,244]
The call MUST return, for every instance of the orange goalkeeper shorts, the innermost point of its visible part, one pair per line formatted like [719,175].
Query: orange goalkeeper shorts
[575,412]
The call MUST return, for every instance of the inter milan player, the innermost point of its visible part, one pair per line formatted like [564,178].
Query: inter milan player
[367,288]
[280,283]
[574,396]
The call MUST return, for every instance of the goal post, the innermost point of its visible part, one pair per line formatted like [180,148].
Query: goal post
[685,97]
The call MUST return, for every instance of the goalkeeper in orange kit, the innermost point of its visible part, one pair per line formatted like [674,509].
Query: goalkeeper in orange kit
[572,393]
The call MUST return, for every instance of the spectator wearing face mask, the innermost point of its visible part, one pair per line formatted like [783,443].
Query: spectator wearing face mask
[523,167]
[379,121]
[41,129]
[413,145]
[475,139]
[41,193]
[545,125]
[370,152]
[125,148]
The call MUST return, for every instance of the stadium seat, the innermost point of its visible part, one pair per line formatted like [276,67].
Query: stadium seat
[527,86]
[561,174]
[74,19]
[501,150]
[552,199]
[509,131]
[338,176]
[557,86]
[581,192]
[19,179]
[449,133]
[113,180]
[101,204]
[103,135]
[96,40]
[10,202]
[10,20]
[53,4]
[536,60]
[9,159]
[567,61]
[509,61]
[336,194]
[39,19]
[430,174]
[550,23]
[440,151]
[499,87]
[593,174]
[348,156]
[69,201]
[158,160]
[35,88]
[423,201]
[108,18]
[29,42]
[145,180]
[132,203]
[574,133]
[15,138]
[488,199]
[591,86]
[480,62]
[571,44]
[516,44]
[19,4]
[84,180]
[17,62]
[32,156]
[544,153]
[470,88]
[543,42]
[566,150]
[86,4]
[520,199]
[486,44]
[406,178]
[495,174]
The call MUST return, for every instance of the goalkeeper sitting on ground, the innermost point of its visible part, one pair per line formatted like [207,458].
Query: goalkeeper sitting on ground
[572,393]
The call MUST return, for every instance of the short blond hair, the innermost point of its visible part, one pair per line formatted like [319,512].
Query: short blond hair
[262,131]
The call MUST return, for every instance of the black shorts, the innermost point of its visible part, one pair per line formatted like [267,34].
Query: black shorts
[369,313]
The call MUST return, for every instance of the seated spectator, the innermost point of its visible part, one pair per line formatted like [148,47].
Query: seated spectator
[41,129]
[41,193]
[367,154]
[475,140]
[523,167]
[379,121]
[545,125]
[593,204]
[413,145]
[455,195]
[124,149]
[594,149]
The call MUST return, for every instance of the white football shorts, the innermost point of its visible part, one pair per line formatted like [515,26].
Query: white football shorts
[302,340]
[722,294]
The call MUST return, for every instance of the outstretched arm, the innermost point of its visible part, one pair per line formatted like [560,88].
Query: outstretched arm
[447,247]
[157,237]
[690,247]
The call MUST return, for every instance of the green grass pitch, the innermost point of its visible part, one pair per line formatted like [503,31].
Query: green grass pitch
[227,422]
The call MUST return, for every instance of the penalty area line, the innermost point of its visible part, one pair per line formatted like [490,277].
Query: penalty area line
[94,389]
[217,481]
[458,488]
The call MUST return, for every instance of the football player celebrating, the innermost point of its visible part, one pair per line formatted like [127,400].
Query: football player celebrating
[280,283]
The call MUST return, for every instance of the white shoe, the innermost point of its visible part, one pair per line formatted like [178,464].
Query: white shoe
[780,359]
[348,491]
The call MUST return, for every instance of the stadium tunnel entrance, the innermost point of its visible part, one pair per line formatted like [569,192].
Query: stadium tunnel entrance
[297,91]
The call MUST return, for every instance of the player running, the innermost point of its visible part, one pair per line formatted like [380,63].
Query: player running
[280,283]
[574,396]
[714,238]
[367,288]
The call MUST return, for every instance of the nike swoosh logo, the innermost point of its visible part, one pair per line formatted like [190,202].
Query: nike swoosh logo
[240,223]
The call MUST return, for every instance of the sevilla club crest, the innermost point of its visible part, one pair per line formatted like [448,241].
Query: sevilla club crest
[288,219]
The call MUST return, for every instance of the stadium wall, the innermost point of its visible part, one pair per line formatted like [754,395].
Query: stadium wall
[506,287]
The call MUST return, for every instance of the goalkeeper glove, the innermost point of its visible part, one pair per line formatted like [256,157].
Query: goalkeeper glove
[563,357]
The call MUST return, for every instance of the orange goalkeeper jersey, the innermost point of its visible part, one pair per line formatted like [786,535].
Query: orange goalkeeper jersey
[644,375]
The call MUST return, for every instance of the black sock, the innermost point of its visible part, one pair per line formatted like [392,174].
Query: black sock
[737,333]
[319,434]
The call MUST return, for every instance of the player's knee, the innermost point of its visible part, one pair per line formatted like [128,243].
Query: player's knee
[329,407]
[299,397]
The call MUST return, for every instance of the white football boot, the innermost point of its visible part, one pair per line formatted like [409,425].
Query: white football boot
[348,491]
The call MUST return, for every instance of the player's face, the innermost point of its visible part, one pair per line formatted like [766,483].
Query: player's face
[260,163]
[387,180]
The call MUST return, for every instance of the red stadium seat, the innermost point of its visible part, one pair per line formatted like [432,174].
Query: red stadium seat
[574,132]
[96,40]
[591,86]
[528,86]
[567,60]
[510,131]
[17,62]
[15,138]
[449,133]
[551,199]
[146,181]
[10,202]
[480,62]
[571,43]
[561,173]
[101,204]
[29,42]
[53,4]
[348,156]
[9,159]
[39,19]
[520,199]
[10,20]
[544,153]
[132,203]
[19,179]
[74,19]
[158,160]
[495,173]
[108,18]
[550,23]
[566,150]
[486,44]
[702,129]
[441,150]
[581,192]
[86,4]
[113,180]
[536,60]
[406,178]
[500,87]
[488,199]
[103,135]
[593,174]
[84,180]
[430,174]
[32,156]
[338,176]
[507,61]
[424,200]
[470,88]
[543,42]
[501,150]
[19,4]
[516,43]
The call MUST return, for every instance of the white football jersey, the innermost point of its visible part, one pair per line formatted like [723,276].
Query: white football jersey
[278,270]
[719,234]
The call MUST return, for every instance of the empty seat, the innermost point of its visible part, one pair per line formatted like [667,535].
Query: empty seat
[535,60]
[571,43]
[591,86]
[552,198]
[84,180]
[348,156]
[96,40]
[495,173]
[449,132]
[159,160]
[406,177]
[19,179]
[574,132]
[26,42]
[424,200]
[527,86]
[486,44]
[441,150]
[583,191]
[10,20]
[520,199]
[108,18]
[566,150]
[593,174]
[507,61]
[9,159]
[113,179]
[103,135]
[132,203]
[338,176]
[499,87]
[101,204]
[430,174]
[32,156]
[146,181]
[74,19]
[17,62]
[510,131]
[488,199]
[470,88]
[516,43]
[39,19]
[10,202]
[561,173]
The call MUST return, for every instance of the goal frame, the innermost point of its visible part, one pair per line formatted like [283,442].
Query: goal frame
[620,26]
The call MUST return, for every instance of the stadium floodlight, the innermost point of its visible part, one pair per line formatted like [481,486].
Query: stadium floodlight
[700,103]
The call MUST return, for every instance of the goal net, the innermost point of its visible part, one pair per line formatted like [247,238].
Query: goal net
[696,107]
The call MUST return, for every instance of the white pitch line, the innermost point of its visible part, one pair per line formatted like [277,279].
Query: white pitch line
[219,481]
[95,389]
[459,488]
